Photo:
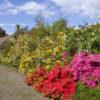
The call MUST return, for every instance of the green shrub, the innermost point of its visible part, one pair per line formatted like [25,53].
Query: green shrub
[5,46]
[44,41]
[86,38]
[85,93]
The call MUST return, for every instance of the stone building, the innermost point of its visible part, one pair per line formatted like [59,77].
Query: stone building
[2,32]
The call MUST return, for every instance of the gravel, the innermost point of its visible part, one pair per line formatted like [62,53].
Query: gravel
[13,87]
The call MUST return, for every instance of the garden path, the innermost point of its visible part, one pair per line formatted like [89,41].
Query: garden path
[13,87]
[2,39]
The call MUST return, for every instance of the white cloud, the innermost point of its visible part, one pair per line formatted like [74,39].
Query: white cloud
[30,7]
[1,25]
[10,24]
[13,11]
[89,8]
[6,4]
[8,8]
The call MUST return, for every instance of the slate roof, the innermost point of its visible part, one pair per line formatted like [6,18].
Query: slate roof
[1,30]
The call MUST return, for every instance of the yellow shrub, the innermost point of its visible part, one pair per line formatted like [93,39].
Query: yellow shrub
[25,62]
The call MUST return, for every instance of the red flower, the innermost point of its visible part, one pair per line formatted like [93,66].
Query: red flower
[57,83]
[37,76]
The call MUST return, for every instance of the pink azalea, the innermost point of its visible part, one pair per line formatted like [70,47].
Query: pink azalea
[86,68]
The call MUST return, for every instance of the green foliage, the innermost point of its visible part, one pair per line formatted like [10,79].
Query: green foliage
[5,46]
[85,93]
[41,29]
[43,43]
[86,38]
[71,40]
[96,46]
[59,26]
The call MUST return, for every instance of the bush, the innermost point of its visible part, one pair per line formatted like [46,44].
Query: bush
[85,93]
[84,71]
[5,46]
[86,68]
[83,39]
[58,82]
[44,44]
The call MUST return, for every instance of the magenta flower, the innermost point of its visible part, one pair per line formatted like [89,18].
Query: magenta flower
[96,73]
[86,68]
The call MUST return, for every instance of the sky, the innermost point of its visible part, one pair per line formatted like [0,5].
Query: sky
[23,12]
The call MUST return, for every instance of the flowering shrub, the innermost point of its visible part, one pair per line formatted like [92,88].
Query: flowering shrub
[46,46]
[86,68]
[26,62]
[36,76]
[46,53]
[58,83]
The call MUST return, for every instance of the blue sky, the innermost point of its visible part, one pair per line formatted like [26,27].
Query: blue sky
[22,12]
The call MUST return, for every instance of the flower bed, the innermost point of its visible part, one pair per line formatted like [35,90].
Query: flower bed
[58,83]
[42,54]
[61,81]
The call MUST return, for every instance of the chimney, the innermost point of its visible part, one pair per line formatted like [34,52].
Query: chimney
[17,27]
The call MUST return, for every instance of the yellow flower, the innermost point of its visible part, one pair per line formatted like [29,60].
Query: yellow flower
[58,48]
[30,71]
[47,61]
[58,62]
[47,67]
[48,40]
[61,33]
[49,51]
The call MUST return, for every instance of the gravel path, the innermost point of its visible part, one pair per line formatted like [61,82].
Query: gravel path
[2,39]
[12,86]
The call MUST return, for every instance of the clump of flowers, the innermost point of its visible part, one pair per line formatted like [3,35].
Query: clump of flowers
[58,83]
[86,68]
[36,76]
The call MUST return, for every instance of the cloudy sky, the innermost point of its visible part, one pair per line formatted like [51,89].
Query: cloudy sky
[22,12]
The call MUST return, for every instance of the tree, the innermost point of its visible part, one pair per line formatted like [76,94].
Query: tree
[59,25]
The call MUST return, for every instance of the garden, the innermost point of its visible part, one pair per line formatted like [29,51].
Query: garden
[59,61]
